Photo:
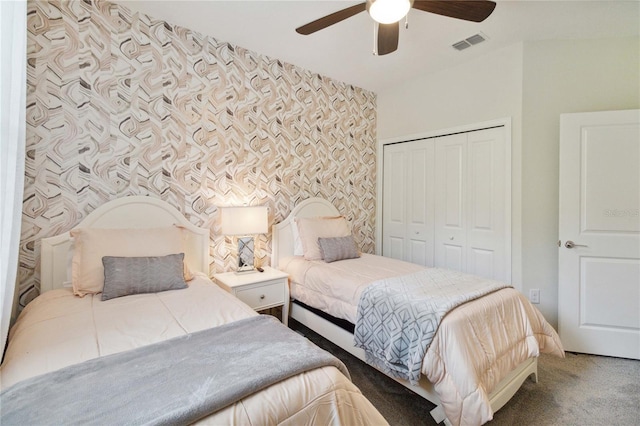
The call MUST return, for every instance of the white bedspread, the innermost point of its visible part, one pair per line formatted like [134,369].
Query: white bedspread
[59,329]
[335,288]
[476,346]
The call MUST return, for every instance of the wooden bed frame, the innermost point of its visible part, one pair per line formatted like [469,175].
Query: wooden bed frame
[283,246]
[127,212]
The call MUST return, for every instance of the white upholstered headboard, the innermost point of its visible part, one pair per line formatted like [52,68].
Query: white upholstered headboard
[127,212]
[282,238]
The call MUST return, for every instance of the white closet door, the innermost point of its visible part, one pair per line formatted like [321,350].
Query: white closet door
[450,202]
[470,197]
[394,203]
[486,230]
[446,202]
[407,210]
[420,208]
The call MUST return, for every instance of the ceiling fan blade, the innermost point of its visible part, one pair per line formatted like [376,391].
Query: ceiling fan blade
[329,20]
[388,38]
[469,10]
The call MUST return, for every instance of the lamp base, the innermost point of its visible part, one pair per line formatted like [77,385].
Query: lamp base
[245,256]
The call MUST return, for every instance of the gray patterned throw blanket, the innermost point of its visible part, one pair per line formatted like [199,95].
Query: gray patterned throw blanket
[399,316]
[175,382]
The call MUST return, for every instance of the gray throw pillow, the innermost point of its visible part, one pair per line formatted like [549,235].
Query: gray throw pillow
[338,248]
[124,276]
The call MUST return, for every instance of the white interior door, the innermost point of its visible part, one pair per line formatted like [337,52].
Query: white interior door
[599,225]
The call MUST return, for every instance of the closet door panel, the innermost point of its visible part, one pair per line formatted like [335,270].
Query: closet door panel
[481,186]
[394,248]
[452,158]
[451,257]
[450,201]
[481,262]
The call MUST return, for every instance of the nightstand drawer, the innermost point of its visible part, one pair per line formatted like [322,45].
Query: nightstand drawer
[263,296]
[259,290]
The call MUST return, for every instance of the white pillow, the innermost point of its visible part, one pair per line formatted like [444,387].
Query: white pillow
[297,242]
[312,228]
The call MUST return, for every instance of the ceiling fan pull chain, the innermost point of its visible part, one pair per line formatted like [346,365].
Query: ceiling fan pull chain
[375,38]
[406,21]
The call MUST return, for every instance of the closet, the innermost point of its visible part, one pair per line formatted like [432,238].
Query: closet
[446,201]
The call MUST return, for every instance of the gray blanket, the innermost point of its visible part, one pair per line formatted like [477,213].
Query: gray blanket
[399,316]
[177,381]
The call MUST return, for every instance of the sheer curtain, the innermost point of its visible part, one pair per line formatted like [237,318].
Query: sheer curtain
[13,88]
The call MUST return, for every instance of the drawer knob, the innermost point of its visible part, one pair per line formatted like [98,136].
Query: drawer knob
[262,297]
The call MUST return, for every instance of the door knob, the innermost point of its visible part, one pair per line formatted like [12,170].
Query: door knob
[570,244]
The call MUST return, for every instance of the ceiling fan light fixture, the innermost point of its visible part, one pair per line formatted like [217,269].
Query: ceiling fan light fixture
[388,11]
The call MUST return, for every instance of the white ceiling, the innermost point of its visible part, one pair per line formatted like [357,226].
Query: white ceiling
[344,50]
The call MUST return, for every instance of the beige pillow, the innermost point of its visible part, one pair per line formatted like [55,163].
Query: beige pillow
[312,228]
[92,244]
[297,243]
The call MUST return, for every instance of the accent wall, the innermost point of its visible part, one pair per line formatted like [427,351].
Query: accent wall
[122,104]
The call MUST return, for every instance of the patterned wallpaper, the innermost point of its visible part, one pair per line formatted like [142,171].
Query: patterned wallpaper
[122,104]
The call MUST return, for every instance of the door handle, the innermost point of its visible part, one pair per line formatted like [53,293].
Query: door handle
[570,244]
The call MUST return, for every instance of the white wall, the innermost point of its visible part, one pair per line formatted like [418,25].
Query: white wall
[533,83]
[563,77]
[455,97]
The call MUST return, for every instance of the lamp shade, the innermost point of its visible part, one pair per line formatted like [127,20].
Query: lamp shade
[244,220]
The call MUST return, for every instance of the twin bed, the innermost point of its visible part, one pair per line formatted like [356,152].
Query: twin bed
[63,363]
[482,352]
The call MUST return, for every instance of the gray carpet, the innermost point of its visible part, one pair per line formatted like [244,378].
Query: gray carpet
[577,390]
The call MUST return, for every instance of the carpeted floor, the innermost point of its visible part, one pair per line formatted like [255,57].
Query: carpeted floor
[576,390]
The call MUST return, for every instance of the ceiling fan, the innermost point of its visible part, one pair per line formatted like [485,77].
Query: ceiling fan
[388,13]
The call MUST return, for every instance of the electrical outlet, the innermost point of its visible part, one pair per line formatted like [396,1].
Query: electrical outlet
[534,295]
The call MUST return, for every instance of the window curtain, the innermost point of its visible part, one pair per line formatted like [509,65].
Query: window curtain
[13,87]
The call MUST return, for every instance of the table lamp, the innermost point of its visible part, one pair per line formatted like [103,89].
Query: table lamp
[244,222]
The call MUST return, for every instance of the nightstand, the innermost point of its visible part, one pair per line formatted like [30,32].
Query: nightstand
[260,290]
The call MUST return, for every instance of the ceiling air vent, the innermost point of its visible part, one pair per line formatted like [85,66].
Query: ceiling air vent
[470,41]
